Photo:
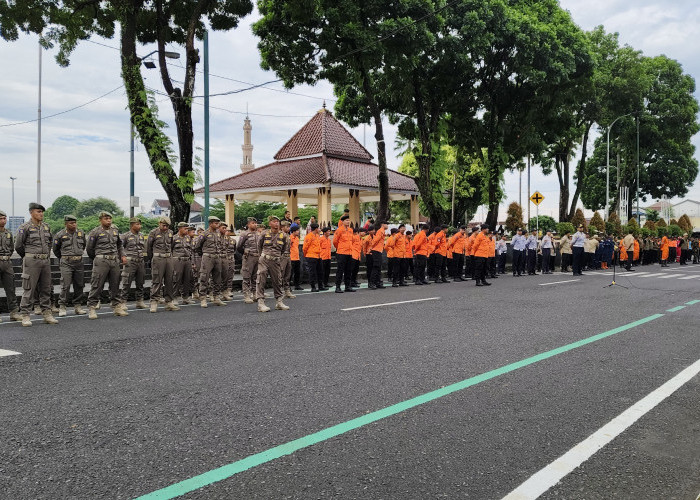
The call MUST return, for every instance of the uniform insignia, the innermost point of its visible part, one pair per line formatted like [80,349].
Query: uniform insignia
[102,234]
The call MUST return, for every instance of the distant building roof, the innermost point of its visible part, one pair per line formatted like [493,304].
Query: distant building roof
[194,207]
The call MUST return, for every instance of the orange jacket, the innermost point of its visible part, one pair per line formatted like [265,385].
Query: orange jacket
[294,247]
[623,251]
[481,246]
[356,246]
[409,248]
[471,240]
[492,246]
[432,243]
[399,246]
[312,246]
[325,248]
[367,244]
[456,243]
[636,250]
[421,245]
[378,241]
[389,246]
[441,244]
[342,240]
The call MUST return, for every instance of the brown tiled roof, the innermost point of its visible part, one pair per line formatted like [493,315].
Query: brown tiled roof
[323,134]
[194,207]
[365,175]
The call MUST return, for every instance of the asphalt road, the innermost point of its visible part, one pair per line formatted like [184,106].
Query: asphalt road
[122,407]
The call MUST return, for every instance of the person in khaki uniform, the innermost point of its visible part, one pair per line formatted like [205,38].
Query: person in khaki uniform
[7,273]
[68,246]
[34,246]
[182,262]
[271,246]
[196,261]
[134,245]
[286,265]
[209,246]
[104,247]
[248,247]
[160,251]
[228,262]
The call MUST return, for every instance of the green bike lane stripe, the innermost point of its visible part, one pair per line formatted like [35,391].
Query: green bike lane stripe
[229,470]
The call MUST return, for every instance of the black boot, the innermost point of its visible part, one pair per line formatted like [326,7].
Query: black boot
[338,290]
[313,288]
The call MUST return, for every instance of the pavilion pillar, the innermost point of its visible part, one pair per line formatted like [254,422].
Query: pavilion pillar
[292,203]
[229,210]
[414,212]
[324,207]
[354,207]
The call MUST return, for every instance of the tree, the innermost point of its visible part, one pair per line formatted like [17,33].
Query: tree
[675,230]
[685,224]
[181,22]
[649,224]
[93,206]
[613,224]
[652,215]
[579,219]
[597,221]
[335,41]
[673,222]
[63,205]
[661,223]
[515,217]
[543,222]
[565,227]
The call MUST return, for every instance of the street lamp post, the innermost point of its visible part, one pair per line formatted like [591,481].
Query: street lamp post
[206,127]
[13,179]
[149,65]
[607,173]
[38,139]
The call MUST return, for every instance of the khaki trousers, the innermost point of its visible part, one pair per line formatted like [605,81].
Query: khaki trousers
[272,267]
[286,267]
[36,282]
[134,270]
[249,272]
[104,270]
[7,278]
[182,286]
[211,267]
[72,273]
[162,278]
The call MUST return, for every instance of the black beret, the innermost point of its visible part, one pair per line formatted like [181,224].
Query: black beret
[36,206]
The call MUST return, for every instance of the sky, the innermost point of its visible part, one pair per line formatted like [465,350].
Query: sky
[85,152]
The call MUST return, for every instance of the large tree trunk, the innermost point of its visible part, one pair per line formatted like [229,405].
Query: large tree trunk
[562,164]
[145,122]
[580,171]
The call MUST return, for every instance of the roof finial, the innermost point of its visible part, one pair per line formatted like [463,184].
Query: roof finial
[324,104]
[246,110]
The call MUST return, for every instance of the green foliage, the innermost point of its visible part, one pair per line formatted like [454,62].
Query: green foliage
[675,230]
[87,224]
[685,224]
[565,227]
[579,219]
[633,227]
[673,222]
[661,223]
[646,232]
[649,224]
[592,229]
[515,217]
[613,225]
[597,221]
[652,215]
[662,231]
[546,223]
[63,205]
[93,206]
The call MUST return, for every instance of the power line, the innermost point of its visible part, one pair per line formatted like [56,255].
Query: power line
[65,111]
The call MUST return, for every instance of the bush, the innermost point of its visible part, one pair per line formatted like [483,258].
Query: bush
[515,217]
[565,227]
[685,224]
[662,231]
[661,223]
[597,221]
[613,225]
[592,229]
[579,219]
[546,223]
[675,230]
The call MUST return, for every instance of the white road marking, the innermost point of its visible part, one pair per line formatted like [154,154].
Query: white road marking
[670,276]
[689,277]
[557,282]
[389,304]
[3,352]
[550,475]
[651,275]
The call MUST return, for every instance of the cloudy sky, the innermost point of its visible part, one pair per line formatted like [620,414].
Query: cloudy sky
[85,152]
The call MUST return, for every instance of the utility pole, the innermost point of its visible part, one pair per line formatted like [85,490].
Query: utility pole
[528,191]
[38,142]
[206,128]
[639,216]
[132,184]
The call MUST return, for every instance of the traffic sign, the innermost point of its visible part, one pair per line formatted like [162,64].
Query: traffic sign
[536,198]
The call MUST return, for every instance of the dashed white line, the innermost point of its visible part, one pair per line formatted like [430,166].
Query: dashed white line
[4,352]
[669,276]
[557,282]
[550,475]
[389,304]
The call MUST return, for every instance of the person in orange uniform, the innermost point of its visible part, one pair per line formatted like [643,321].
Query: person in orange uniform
[421,248]
[663,246]
[635,252]
[441,256]
[623,252]
[294,255]
[456,245]
[356,255]
[408,258]
[377,249]
[476,231]
[399,257]
[326,256]
[491,262]
[312,256]
[367,250]
[482,250]
[432,236]
[342,241]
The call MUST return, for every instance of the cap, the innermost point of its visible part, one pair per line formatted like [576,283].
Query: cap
[293,227]
[134,220]
[70,218]
[285,222]
[270,218]
[191,228]
[2,214]
[252,219]
[182,224]
[104,213]
[519,229]
[345,217]
[362,229]
[164,219]
[36,206]
[214,218]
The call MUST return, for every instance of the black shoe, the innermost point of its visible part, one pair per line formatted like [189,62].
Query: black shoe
[478,283]
[372,287]
[394,285]
[444,280]
[324,288]
[381,285]
[314,289]
[298,288]
[349,289]
[338,290]
[486,283]
[403,284]
[355,284]
[418,283]
[426,282]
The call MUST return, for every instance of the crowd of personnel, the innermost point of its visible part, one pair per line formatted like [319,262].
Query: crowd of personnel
[189,265]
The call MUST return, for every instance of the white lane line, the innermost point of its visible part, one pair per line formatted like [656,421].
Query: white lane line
[389,304]
[557,282]
[669,276]
[653,275]
[550,475]
[3,352]
[689,278]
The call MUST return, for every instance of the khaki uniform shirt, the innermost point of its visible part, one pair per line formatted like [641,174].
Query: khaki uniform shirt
[273,244]
[230,246]
[565,245]
[104,242]
[7,243]
[159,242]
[248,242]
[67,244]
[628,241]
[34,239]
[209,243]
[182,246]
[134,245]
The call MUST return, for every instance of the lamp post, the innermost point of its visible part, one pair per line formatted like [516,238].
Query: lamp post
[607,173]
[13,179]
[38,139]
[206,127]
[149,65]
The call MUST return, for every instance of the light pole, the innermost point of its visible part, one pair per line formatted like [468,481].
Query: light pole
[639,216]
[607,173]
[206,127]
[38,139]
[149,65]
[13,179]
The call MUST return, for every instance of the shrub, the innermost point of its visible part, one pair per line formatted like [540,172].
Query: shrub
[565,227]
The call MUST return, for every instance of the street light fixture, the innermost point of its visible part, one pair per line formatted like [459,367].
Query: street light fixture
[607,174]
[149,65]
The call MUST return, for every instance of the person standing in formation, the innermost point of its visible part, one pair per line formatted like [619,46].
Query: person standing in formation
[312,257]
[7,273]
[577,245]
[502,254]
[271,246]
[226,270]
[134,247]
[182,264]
[565,250]
[519,244]
[209,246]
[104,247]
[294,231]
[326,256]
[248,247]
[420,249]
[377,249]
[342,241]
[160,251]
[68,247]
[531,248]
[547,247]
[286,264]
[481,248]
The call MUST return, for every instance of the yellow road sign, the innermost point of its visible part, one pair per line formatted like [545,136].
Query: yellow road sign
[536,198]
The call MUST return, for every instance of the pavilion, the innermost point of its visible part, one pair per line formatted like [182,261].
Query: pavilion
[322,165]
